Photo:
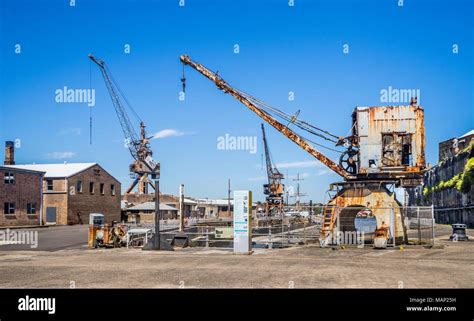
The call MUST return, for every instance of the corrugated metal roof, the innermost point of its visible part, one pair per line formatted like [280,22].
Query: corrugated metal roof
[55,170]
[150,206]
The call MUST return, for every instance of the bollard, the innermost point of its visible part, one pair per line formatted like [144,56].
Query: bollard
[270,243]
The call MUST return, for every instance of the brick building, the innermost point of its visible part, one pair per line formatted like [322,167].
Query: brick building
[145,212]
[71,191]
[20,196]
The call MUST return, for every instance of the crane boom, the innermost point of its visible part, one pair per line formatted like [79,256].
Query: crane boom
[125,123]
[226,88]
[138,146]
[272,171]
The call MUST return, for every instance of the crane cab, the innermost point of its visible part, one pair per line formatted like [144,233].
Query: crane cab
[273,189]
[391,142]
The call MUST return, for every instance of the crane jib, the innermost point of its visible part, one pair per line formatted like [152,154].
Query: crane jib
[224,86]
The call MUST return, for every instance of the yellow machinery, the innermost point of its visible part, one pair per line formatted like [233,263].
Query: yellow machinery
[103,235]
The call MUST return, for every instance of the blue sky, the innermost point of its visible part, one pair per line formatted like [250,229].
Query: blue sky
[282,49]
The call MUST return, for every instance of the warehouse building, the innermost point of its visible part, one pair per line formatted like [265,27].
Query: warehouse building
[71,191]
[145,212]
[210,208]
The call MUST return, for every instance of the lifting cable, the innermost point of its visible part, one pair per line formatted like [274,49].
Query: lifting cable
[299,123]
[121,94]
[90,107]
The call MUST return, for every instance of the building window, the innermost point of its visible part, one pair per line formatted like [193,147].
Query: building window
[79,186]
[112,189]
[9,208]
[91,187]
[102,189]
[49,184]
[9,178]
[31,208]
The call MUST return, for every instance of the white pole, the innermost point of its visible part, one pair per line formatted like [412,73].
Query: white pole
[181,208]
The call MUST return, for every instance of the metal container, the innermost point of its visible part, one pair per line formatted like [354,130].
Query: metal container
[459,232]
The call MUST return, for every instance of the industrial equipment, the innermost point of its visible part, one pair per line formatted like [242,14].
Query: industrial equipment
[381,236]
[103,235]
[385,149]
[274,188]
[96,222]
[139,147]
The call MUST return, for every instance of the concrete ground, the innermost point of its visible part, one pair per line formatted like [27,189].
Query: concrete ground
[447,265]
[52,238]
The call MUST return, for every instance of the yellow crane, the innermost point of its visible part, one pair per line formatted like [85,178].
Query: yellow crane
[274,188]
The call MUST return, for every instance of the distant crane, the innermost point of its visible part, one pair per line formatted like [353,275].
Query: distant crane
[274,189]
[139,146]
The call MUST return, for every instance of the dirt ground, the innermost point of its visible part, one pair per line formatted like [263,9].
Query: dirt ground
[447,265]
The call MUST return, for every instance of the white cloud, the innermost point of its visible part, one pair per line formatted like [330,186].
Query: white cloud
[60,155]
[168,133]
[303,164]
[69,131]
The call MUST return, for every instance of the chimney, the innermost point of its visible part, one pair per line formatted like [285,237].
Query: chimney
[9,153]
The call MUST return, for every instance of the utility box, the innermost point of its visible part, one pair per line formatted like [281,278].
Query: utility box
[96,222]
[96,219]
[391,142]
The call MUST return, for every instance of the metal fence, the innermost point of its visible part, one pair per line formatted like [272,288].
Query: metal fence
[405,224]
[420,224]
[274,235]
[352,226]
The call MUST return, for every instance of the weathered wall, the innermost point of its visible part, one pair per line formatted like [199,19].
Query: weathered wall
[451,205]
[81,204]
[26,189]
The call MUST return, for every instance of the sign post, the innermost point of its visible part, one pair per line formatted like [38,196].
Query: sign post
[243,222]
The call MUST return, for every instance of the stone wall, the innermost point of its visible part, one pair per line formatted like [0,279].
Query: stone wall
[451,205]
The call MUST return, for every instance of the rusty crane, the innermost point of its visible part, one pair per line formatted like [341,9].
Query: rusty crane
[139,146]
[386,148]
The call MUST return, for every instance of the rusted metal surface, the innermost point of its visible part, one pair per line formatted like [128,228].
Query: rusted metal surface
[375,197]
[226,88]
[391,140]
